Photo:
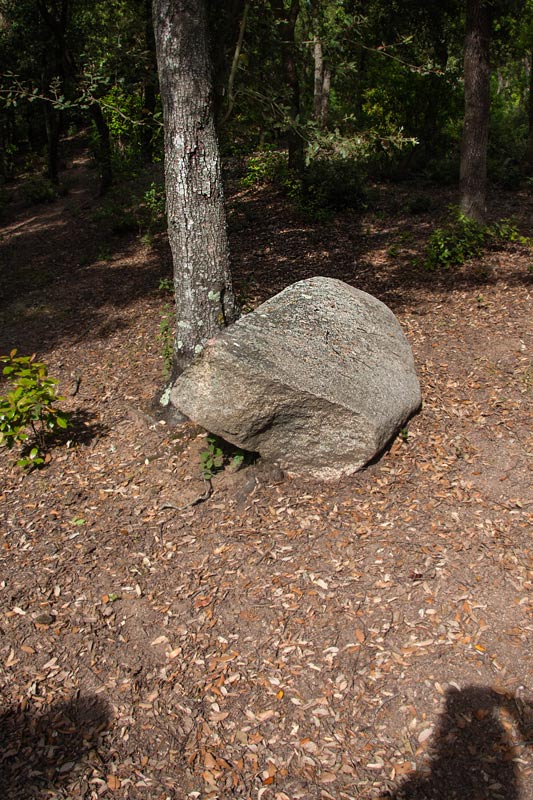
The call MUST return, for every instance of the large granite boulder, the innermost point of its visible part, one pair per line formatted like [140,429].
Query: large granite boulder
[318,379]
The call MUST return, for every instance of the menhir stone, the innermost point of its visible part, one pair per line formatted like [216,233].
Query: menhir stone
[318,380]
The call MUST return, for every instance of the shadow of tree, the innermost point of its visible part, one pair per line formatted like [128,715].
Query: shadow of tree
[40,753]
[64,278]
[82,430]
[284,248]
[472,754]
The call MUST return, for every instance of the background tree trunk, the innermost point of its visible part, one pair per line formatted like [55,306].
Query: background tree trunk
[322,85]
[195,203]
[53,126]
[149,88]
[104,147]
[287,26]
[319,78]
[528,157]
[230,94]
[474,143]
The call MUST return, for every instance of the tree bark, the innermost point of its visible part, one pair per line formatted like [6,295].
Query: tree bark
[319,78]
[475,138]
[528,156]
[195,203]
[53,126]
[230,102]
[287,26]
[149,90]
[104,147]
[322,85]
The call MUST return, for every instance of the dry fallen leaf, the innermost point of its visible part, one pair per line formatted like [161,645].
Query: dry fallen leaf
[113,782]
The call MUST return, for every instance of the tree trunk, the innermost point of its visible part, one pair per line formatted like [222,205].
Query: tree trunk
[322,85]
[104,147]
[326,88]
[287,27]
[195,203]
[528,156]
[53,127]
[319,78]
[149,97]
[474,144]
[230,102]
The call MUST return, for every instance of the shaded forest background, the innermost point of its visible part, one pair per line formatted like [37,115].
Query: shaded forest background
[318,97]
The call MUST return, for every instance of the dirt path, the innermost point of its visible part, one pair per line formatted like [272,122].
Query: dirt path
[283,639]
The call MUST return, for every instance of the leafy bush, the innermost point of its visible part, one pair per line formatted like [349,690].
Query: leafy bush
[421,204]
[508,132]
[464,238]
[39,189]
[455,243]
[266,167]
[333,184]
[28,414]
[330,182]
[151,211]
[143,214]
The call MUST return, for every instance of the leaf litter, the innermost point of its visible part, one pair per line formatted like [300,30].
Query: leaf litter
[282,639]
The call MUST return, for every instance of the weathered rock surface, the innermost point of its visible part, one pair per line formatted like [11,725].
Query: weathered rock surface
[318,379]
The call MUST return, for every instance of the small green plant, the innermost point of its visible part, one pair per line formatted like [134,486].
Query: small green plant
[28,413]
[404,434]
[211,458]
[219,454]
[166,285]
[393,251]
[153,209]
[104,253]
[166,340]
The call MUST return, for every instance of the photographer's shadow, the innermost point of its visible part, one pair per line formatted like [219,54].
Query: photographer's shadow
[41,752]
[473,750]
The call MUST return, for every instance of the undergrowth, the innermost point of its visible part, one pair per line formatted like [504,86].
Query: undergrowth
[327,185]
[28,413]
[219,454]
[463,238]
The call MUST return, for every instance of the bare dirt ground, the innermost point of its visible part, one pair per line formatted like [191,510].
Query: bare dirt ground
[284,639]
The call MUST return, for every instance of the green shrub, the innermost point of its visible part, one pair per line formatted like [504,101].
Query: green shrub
[138,210]
[506,230]
[28,413]
[464,238]
[151,211]
[266,167]
[461,239]
[39,189]
[421,204]
[333,184]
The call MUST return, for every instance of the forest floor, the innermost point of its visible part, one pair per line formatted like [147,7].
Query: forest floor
[285,638]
